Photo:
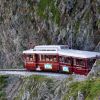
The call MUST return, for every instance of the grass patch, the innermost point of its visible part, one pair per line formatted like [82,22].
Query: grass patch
[98,23]
[46,6]
[3,83]
[87,16]
[32,84]
[1,19]
[89,88]
[98,62]
[77,26]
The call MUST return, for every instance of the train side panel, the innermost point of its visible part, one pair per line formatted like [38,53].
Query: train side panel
[48,62]
[56,63]
[30,61]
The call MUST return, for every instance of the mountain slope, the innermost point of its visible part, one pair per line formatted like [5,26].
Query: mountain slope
[72,22]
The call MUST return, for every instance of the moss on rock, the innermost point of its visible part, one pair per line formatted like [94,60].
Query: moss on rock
[3,83]
[48,6]
[90,89]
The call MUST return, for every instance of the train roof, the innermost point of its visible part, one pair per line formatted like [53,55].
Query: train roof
[46,49]
[79,53]
[61,50]
[50,47]
[49,52]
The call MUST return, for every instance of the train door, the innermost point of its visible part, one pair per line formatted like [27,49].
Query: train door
[54,60]
[65,64]
[37,62]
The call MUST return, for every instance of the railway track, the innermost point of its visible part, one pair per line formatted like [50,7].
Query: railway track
[13,70]
[24,72]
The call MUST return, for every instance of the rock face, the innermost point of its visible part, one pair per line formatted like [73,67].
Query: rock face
[35,88]
[95,71]
[72,22]
[47,88]
[80,96]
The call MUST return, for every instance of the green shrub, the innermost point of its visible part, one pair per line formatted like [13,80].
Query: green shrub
[3,83]
[89,88]
[51,7]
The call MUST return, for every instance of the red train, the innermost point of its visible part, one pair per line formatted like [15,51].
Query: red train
[59,58]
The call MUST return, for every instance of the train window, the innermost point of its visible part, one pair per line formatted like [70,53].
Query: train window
[43,57]
[51,58]
[62,59]
[40,57]
[65,60]
[29,58]
[33,57]
[54,58]
[79,62]
[68,60]
[47,58]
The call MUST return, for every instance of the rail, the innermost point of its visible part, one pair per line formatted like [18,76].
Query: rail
[26,73]
[13,70]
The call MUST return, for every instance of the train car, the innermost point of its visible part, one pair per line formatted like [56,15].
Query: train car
[59,58]
[44,57]
[77,61]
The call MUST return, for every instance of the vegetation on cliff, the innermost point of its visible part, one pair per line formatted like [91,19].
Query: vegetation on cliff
[3,83]
[43,88]
[36,88]
[72,22]
[48,6]
[90,89]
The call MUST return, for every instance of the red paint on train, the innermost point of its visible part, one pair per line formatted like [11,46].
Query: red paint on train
[47,60]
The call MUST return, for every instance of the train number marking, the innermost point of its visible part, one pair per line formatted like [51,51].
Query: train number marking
[48,66]
[65,68]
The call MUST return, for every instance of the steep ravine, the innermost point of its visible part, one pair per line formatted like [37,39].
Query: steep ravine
[72,22]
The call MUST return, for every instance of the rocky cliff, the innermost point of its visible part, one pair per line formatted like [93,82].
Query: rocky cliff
[49,88]
[24,22]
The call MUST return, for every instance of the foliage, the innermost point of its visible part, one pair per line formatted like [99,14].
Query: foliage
[89,88]
[1,19]
[87,16]
[98,23]
[32,84]
[3,83]
[48,6]
[98,62]
[77,26]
